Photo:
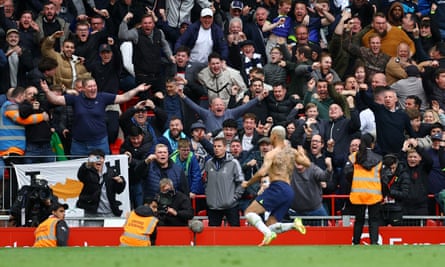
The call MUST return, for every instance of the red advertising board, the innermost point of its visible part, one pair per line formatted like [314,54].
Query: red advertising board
[212,236]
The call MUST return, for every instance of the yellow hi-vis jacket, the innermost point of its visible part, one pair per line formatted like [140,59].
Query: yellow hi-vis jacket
[137,230]
[46,233]
[366,187]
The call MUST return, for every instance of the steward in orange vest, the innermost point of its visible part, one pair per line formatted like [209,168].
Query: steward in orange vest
[140,228]
[366,188]
[53,232]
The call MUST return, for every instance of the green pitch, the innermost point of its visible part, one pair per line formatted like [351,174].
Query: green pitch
[280,256]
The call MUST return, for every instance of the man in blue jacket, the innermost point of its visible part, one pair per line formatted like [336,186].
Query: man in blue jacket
[157,166]
[203,37]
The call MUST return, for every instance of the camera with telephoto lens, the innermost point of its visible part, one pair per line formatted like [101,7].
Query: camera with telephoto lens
[164,201]
[39,188]
[31,205]
[40,191]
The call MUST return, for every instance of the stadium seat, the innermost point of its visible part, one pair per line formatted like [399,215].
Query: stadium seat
[202,213]
[430,222]
[114,147]
[128,104]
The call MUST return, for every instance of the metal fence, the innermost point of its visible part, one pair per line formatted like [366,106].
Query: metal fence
[6,187]
[7,199]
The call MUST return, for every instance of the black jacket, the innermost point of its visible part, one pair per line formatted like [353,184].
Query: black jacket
[90,195]
[39,133]
[156,123]
[107,75]
[183,206]
[25,64]
[138,154]
[342,130]
[395,186]
[90,48]
[418,189]
[279,110]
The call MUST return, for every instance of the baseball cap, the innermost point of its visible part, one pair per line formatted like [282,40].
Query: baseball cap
[185,22]
[437,136]
[236,5]
[247,42]
[11,31]
[264,140]
[412,70]
[206,12]
[104,47]
[197,125]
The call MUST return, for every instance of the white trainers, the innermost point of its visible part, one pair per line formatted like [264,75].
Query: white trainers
[298,225]
[267,239]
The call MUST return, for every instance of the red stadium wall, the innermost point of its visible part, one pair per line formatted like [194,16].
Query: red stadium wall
[212,236]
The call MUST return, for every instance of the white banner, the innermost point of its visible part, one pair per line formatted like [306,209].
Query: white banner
[62,178]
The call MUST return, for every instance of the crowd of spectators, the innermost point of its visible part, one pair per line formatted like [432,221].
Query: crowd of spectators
[328,71]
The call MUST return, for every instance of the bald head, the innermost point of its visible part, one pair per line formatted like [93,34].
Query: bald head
[378,79]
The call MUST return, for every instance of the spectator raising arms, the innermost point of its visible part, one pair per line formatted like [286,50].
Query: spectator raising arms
[89,127]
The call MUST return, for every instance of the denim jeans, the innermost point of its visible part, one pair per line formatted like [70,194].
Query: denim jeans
[39,153]
[82,148]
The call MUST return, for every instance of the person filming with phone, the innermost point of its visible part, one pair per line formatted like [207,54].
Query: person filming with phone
[101,183]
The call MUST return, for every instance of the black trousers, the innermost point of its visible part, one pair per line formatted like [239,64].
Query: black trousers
[216,216]
[373,222]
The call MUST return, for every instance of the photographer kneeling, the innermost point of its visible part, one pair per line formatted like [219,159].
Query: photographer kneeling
[174,207]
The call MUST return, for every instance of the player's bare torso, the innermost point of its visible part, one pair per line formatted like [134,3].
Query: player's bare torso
[283,162]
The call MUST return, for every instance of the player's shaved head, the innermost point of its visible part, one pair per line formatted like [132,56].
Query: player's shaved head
[279,131]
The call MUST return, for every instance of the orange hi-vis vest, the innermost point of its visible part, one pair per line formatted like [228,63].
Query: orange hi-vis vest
[137,230]
[46,233]
[366,187]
